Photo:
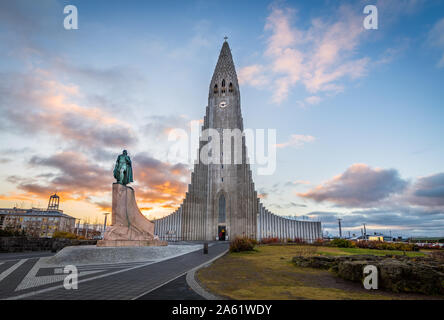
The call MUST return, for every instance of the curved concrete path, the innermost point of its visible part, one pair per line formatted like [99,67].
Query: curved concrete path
[120,281]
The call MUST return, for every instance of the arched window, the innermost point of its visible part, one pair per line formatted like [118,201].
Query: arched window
[223,86]
[230,87]
[221,208]
[215,88]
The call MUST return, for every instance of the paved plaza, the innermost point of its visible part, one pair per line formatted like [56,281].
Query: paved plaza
[29,276]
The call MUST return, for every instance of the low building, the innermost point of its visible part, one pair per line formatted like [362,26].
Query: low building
[37,222]
[376,238]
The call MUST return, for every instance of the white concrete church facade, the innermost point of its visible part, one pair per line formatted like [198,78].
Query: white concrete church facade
[221,202]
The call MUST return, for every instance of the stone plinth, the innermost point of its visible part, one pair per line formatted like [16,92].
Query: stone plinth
[131,243]
[129,226]
[92,255]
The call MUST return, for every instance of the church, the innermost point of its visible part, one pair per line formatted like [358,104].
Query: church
[221,202]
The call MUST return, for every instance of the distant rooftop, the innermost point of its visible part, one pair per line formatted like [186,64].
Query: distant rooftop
[52,210]
[34,212]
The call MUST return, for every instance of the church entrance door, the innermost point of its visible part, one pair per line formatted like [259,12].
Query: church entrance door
[222,231]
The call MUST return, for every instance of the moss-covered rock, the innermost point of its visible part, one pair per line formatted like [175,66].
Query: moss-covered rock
[395,273]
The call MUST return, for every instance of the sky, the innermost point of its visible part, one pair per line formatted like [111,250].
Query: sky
[358,113]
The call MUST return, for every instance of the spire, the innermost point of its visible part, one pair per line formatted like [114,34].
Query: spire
[225,67]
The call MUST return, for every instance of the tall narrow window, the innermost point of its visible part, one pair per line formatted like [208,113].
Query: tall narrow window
[215,88]
[223,86]
[230,87]
[221,208]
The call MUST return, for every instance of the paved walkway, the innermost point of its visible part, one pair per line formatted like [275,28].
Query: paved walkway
[177,289]
[24,255]
[25,279]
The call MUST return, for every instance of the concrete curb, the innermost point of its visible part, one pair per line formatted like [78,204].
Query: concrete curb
[192,282]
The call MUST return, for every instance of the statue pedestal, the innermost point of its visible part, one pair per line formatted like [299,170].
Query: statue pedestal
[131,243]
[129,226]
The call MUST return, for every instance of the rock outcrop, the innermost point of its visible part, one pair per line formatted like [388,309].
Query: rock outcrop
[395,273]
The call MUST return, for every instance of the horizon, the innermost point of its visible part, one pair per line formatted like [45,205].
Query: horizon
[358,113]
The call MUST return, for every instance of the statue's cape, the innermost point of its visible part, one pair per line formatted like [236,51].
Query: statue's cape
[116,169]
[129,171]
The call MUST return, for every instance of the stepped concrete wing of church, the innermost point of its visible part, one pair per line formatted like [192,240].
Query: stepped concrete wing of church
[221,202]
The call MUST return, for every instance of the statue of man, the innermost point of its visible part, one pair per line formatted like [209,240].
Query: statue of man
[123,172]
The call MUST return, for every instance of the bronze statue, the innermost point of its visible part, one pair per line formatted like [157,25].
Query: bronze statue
[123,172]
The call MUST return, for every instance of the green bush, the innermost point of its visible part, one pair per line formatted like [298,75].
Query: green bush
[242,244]
[379,245]
[342,243]
[9,232]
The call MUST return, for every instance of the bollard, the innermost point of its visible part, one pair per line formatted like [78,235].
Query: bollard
[205,248]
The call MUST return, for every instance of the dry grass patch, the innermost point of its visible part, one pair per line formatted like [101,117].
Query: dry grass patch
[268,273]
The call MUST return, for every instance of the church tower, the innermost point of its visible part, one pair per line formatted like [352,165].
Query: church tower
[221,202]
[232,201]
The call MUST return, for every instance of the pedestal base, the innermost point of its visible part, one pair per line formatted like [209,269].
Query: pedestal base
[131,243]
[130,228]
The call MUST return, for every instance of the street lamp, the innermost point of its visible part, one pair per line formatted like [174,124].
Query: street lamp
[104,224]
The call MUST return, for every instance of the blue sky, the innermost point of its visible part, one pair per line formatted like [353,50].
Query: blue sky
[370,101]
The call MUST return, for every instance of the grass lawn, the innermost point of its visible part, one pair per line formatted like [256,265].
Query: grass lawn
[268,273]
[350,251]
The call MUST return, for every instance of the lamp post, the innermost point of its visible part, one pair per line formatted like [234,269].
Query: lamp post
[78,226]
[104,224]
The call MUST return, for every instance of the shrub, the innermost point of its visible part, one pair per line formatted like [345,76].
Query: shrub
[387,245]
[342,243]
[9,232]
[242,244]
[64,235]
[299,240]
[270,240]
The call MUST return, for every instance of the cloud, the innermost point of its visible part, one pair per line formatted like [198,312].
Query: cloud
[359,186]
[160,182]
[297,183]
[22,22]
[252,75]
[296,140]
[37,103]
[436,39]
[75,176]
[428,191]
[262,195]
[382,200]
[313,100]
[103,205]
[287,205]
[319,57]
[400,220]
